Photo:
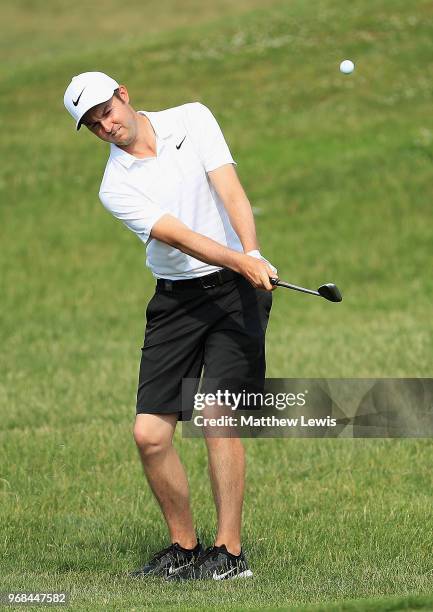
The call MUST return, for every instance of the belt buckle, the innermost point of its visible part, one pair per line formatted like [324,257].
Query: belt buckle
[213,280]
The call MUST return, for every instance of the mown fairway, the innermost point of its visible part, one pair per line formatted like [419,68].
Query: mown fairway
[340,172]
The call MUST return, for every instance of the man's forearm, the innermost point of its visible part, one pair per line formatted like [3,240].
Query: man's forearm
[171,231]
[242,220]
[207,250]
[227,184]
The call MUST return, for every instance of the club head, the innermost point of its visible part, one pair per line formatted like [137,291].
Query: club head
[330,292]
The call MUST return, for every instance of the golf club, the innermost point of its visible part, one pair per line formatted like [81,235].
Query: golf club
[329,291]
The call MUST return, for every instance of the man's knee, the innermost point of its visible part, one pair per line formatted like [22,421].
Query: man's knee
[152,435]
[150,443]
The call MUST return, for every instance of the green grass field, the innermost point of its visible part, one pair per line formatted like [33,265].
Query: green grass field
[340,170]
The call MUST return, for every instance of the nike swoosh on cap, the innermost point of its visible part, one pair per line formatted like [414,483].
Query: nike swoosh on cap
[75,102]
[179,145]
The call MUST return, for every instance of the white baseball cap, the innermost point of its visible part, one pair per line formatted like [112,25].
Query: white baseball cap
[85,91]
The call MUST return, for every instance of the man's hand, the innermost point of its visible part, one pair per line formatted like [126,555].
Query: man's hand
[257,272]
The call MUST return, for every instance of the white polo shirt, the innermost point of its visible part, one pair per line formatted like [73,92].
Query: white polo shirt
[140,191]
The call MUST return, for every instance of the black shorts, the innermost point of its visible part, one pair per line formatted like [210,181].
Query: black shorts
[219,329]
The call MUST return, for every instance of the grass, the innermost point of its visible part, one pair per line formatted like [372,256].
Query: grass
[340,168]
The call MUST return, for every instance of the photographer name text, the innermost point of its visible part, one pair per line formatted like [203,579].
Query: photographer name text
[264,421]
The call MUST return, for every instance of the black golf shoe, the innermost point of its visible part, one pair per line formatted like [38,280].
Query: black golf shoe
[216,563]
[168,561]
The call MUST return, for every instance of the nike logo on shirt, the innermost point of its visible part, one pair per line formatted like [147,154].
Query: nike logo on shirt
[179,145]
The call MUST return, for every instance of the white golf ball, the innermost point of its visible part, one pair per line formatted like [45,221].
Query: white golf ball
[347,66]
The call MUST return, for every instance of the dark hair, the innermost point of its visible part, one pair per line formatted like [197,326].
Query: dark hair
[117,94]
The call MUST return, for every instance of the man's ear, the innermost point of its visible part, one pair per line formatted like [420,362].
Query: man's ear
[123,93]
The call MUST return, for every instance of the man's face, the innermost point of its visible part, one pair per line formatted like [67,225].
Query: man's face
[113,121]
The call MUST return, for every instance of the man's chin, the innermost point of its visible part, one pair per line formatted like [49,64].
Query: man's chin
[122,140]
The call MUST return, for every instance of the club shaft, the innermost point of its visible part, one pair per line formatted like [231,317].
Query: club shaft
[296,288]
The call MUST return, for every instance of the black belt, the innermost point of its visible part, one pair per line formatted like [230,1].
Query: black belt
[202,282]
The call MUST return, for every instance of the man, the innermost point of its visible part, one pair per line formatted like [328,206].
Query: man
[170,178]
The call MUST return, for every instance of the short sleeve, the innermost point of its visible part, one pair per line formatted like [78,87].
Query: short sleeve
[212,147]
[139,214]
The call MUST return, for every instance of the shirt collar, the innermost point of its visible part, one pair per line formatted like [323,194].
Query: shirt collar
[163,128]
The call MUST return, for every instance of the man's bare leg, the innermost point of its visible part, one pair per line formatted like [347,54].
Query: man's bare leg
[153,434]
[226,462]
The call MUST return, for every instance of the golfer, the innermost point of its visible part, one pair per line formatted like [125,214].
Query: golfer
[170,178]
